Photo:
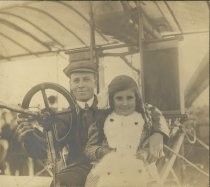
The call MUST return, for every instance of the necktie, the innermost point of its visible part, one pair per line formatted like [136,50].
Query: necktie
[85,123]
[86,106]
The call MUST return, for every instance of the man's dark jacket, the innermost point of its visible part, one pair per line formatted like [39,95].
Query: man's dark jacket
[75,141]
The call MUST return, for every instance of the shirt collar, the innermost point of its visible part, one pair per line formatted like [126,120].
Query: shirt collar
[82,104]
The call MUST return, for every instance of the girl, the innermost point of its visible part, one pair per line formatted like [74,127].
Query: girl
[116,139]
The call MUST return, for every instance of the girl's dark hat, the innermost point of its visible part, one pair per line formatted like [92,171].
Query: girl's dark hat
[80,61]
[121,82]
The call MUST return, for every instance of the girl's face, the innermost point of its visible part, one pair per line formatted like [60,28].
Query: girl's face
[124,102]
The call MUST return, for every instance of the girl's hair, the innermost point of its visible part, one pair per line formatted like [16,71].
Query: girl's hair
[121,83]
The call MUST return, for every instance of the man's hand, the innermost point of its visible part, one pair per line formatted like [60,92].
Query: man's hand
[24,128]
[155,143]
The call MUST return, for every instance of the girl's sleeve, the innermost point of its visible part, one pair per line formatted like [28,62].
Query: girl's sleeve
[97,145]
[159,123]
[94,142]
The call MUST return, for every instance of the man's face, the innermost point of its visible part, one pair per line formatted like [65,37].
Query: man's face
[82,85]
[124,102]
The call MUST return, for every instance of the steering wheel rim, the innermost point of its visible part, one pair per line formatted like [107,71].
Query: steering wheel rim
[47,85]
[58,88]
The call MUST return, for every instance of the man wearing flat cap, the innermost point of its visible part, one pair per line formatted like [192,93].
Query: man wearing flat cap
[81,71]
[82,76]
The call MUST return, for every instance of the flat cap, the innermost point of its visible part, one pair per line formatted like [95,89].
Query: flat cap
[80,61]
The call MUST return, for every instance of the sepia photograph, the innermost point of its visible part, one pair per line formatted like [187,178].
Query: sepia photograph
[104,93]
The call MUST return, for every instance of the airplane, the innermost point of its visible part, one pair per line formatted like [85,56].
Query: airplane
[150,29]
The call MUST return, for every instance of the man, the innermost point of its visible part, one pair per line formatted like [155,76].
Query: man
[82,75]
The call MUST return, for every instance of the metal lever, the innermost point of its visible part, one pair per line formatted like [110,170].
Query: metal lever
[18,109]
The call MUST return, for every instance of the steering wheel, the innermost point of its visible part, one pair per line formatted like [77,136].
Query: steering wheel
[50,118]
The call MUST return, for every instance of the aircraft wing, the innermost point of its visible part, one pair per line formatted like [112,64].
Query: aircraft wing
[34,28]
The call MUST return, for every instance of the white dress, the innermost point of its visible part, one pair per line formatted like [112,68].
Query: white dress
[122,168]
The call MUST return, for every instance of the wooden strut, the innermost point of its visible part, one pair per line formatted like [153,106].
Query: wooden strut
[141,50]
[92,33]
[117,54]
[146,117]
[52,156]
[190,163]
[175,150]
[93,53]
[202,143]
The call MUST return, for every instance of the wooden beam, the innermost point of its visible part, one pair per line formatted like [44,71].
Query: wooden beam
[161,45]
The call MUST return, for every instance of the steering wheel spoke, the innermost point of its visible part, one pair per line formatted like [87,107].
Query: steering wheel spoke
[44,95]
